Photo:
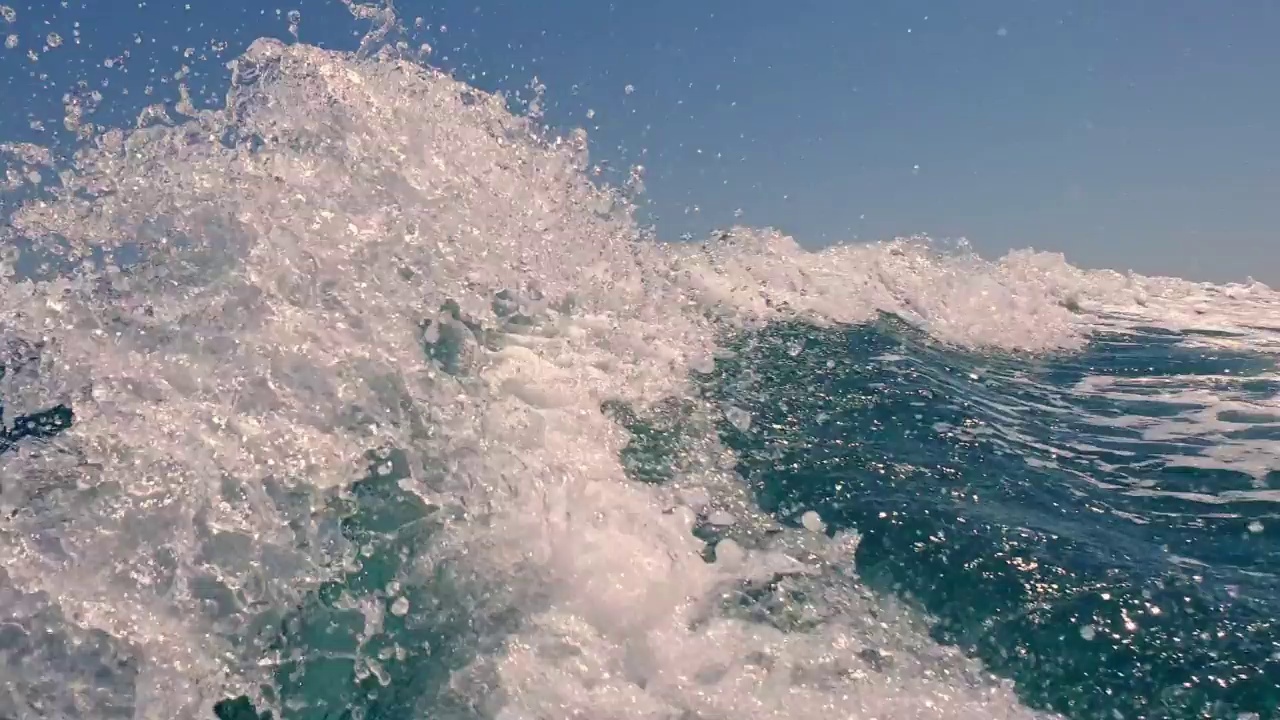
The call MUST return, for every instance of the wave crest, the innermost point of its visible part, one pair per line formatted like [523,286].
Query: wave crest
[356,254]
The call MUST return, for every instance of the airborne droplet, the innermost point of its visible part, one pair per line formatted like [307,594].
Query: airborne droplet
[400,607]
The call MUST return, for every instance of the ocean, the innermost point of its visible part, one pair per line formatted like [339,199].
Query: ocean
[359,398]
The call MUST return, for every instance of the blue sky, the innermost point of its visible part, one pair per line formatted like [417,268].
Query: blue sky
[1126,133]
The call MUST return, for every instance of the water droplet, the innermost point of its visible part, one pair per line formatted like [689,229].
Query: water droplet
[591,114]
[1003,31]
[400,607]
[1088,632]
[1255,527]
[812,522]
[54,40]
[629,89]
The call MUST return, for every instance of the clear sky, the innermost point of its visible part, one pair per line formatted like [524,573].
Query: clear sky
[1126,133]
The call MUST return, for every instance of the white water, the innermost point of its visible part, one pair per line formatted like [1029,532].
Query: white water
[293,245]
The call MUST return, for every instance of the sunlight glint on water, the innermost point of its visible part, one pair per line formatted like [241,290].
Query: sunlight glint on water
[359,254]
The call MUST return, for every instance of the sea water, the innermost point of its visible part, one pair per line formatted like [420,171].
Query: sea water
[357,398]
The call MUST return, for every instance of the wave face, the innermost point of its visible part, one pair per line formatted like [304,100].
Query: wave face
[356,398]
[1099,527]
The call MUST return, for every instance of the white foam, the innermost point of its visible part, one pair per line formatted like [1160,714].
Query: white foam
[958,298]
[1026,300]
[1244,312]
[1215,421]
[292,247]
[273,333]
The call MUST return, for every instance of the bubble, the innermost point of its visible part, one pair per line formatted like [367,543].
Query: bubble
[1256,527]
[629,89]
[8,14]
[812,522]
[1088,632]
[400,607]
[54,40]
[10,42]
[308,289]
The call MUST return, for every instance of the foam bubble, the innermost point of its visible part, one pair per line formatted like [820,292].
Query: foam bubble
[763,275]
[357,252]
[1027,300]
[812,522]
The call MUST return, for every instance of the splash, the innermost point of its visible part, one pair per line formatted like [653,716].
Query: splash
[357,254]
[317,271]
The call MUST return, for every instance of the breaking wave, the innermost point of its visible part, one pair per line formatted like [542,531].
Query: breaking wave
[357,392]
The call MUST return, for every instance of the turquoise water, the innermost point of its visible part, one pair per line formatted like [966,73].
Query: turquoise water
[1023,536]
[1027,553]
[358,398]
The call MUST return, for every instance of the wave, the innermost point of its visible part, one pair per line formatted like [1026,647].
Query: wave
[364,303]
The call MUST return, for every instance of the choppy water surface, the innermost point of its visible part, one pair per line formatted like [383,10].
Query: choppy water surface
[357,398]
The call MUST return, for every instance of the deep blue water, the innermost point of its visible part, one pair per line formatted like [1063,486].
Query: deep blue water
[1012,558]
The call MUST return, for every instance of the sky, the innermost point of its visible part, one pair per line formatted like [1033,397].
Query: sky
[1129,134]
